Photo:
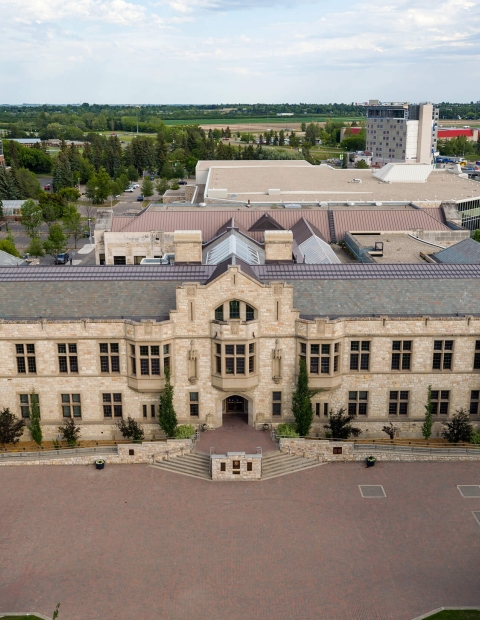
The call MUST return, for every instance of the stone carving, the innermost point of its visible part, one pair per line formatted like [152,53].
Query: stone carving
[234,328]
[278,289]
[191,291]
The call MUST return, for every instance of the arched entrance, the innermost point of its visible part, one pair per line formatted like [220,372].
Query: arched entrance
[235,410]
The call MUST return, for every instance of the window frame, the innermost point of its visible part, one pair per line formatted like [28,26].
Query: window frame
[356,403]
[68,355]
[221,359]
[246,311]
[476,356]
[438,401]
[277,403]
[440,355]
[26,356]
[27,404]
[71,404]
[474,400]
[111,403]
[109,354]
[397,401]
[402,353]
[361,354]
[306,351]
[194,404]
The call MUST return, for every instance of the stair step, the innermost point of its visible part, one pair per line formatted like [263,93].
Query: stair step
[194,465]
[281,464]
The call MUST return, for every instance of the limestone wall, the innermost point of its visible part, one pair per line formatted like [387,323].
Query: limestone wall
[333,451]
[236,466]
[128,454]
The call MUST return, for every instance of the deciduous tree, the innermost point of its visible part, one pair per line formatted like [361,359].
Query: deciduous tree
[56,242]
[11,428]
[459,428]
[31,218]
[340,425]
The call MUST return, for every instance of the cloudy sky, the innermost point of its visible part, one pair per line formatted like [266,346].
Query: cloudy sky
[229,51]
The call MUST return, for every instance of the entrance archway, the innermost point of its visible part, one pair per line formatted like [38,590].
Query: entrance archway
[234,411]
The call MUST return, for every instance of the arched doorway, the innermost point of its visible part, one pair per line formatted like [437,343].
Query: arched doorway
[235,410]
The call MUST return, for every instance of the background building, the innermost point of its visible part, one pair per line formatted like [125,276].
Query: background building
[402,132]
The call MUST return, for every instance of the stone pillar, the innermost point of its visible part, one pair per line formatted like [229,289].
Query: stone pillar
[278,246]
[187,247]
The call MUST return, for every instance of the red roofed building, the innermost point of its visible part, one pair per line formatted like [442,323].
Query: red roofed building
[352,131]
[470,133]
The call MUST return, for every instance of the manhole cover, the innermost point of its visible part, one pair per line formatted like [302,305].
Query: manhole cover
[469,490]
[476,514]
[371,490]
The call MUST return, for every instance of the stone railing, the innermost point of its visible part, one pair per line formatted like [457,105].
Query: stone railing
[123,454]
[327,451]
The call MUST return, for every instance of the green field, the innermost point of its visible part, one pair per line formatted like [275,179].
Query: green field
[281,120]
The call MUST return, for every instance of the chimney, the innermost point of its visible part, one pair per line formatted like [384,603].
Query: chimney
[187,247]
[278,246]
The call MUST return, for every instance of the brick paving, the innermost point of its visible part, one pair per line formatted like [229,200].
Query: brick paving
[135,543]
[235,435]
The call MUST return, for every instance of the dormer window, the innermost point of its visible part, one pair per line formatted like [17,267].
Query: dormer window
[235,309]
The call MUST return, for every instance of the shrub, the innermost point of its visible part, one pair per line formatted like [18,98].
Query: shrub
[11,428]
[340,425]
[390,429]
[184,431]
[459,428]
[70,432]
[131,429]
[35,247]
[475,438]
[287,430]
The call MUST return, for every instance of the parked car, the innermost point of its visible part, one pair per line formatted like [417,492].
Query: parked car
[129,189]
[139,198]
[182,183]
[62,259]
[47,187]
[135,185]
[152,178]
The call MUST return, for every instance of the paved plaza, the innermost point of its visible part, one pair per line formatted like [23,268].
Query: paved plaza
[138,543]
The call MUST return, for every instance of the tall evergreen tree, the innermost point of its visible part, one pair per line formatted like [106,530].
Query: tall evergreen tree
[301,402]
[167,418]
[428,423]
[35,426]
[62,172]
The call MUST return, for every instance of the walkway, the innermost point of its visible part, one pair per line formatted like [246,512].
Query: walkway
[235,436]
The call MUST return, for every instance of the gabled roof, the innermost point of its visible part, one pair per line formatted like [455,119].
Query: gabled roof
[265,223]
[232,260]
[231,223]
[466,252]
[7,260]
[310,246]
[233,243]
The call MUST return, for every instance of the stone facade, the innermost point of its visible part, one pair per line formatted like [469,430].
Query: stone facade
[236,466]
[265,327]
[132,245]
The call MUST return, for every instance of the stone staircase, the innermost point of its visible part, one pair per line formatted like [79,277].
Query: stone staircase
[194,464]
[276,464]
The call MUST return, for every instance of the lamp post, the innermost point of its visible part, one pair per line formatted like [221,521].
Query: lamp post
[89,231]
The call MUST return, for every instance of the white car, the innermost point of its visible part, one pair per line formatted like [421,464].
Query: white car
[135,185]
[129,189]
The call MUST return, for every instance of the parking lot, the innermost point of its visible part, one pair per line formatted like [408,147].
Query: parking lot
[135,542]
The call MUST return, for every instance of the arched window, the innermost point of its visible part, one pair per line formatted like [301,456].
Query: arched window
[235,309]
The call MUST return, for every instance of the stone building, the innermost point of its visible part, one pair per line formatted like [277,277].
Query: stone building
[94,342]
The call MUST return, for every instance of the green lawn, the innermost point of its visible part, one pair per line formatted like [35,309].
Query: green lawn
[466,614]
[254,120]
[19,618]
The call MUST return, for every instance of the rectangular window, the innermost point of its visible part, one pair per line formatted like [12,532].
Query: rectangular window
[144,408]
[440,402]
[442,355]
[401,355]
[303,351]
[398,404]
[219,313]
[234,309]
[152,411]
[112,405]
[67,357]
[26,363]
[26,403]
[357,403]
[474,400]
[235,359]
[194,408]
[276,403]
[109,357]
[119,260]
[71,406]
[476,359]
[360,355]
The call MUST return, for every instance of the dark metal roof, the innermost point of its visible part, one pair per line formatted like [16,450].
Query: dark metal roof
[301,271]
[466,252]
